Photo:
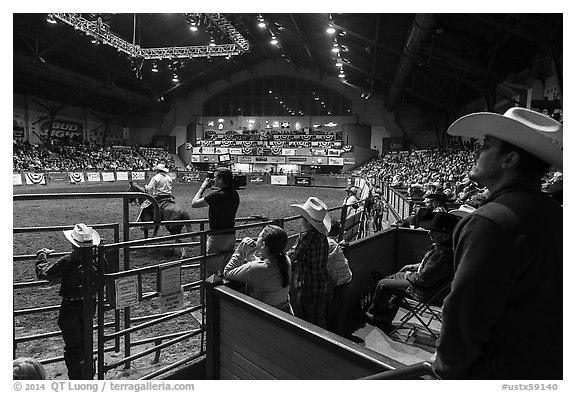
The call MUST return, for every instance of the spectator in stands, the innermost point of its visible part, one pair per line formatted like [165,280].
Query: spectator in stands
[339,278]
[69,271]
[309,257]
[507,288]
[420,280]
[377,211]
[27,368]
[223,204]
[436,201]
[268,278]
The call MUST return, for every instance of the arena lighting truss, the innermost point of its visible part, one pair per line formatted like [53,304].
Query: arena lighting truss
[101,32]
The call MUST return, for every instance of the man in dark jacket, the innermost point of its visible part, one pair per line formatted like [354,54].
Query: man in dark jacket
[420,280]
[68,271]
[507,288]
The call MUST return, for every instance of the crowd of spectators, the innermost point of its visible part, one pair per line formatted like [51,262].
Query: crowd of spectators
[439,170]
[78,155]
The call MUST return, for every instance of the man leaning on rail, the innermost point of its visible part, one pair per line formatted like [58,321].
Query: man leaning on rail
[68,271]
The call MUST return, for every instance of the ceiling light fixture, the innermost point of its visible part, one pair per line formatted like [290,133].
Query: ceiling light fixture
[50,19]
[274,41]
[261,22]
[330,30]
[154,67]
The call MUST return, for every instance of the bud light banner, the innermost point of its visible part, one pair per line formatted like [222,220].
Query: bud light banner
[35,178]
[61,128]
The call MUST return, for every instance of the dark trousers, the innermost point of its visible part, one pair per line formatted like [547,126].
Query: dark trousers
[335,308]
[388,296]
[71,323]
[312,307]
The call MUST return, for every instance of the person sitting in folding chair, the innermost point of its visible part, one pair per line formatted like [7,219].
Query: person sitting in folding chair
[420,280]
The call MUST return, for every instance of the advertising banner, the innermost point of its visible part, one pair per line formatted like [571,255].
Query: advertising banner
[61,128]
[121,176]
[76,177]
[35,178]
[281,180]
[93,176]
[57,177]
[138,175]
[16,179]
[108,176]
[303,181]
[335,161]
[256,178]
[194,158]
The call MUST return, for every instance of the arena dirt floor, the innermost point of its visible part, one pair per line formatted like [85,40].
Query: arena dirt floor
[266,200]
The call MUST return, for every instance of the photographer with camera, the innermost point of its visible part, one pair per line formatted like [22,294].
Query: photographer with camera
[222,207]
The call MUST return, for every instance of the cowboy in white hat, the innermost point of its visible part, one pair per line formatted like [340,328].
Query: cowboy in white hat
[309,258]
[69,271]
[160,186]
[507,288]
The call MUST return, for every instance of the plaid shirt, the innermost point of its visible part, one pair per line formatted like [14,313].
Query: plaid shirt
[309,257]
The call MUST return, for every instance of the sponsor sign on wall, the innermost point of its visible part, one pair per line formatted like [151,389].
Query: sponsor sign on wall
[304,181]
[35,178]
[335,161]
[108,176]
[16,179]
[281,180]
[208,150]
[121,176]
[57,177]
[61,128]
[93,176]
[138,175]
[194,158]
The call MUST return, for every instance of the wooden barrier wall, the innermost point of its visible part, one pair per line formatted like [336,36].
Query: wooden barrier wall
[248,339]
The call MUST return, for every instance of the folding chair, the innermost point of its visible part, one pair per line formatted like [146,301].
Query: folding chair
[418,308]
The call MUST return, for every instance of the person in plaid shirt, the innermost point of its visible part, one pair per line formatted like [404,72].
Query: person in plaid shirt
[309,257]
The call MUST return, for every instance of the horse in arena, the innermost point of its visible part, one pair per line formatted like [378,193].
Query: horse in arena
[169,211]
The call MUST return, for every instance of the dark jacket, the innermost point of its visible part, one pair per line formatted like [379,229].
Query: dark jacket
[503,316]
[435,272]
[67,270]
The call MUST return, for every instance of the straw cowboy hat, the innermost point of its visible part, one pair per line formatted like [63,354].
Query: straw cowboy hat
[316,213]
[82,236]
[529,130]
[162,168]
[462,211]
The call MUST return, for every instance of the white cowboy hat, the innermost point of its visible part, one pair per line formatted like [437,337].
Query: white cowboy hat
[462,211]
[82,236]
[352,189]
[316,213]
[532,131]
[162,168]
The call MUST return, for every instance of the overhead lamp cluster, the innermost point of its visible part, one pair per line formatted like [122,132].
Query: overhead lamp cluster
[282,102]
[337,49]
[320,102]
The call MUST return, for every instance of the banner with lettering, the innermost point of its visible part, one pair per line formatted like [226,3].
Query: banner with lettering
[108,176]
[138,175]
[93,176]
[61,128]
